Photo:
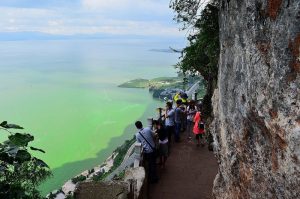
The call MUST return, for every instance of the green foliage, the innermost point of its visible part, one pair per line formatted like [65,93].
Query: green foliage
[206,106]
[5,125]
[79,178]
[51,196]
[20,172]
[69,196]
[121,175]
[187,11]
[136,83]
[185,82]
[121,152]
[98,176]
[20,140]
[91,171]
[202,53]
[159,83]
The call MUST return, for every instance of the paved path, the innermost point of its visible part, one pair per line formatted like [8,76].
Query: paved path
[189,173]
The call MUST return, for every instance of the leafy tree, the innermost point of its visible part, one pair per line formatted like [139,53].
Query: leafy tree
[98,176]
[201,55]
[79,178]
[20,171]
[69,196]
[185,82]
[188,11]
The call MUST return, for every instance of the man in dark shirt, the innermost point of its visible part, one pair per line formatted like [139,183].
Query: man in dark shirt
[178,118]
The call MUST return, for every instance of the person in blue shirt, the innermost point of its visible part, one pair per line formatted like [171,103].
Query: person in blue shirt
[170,122]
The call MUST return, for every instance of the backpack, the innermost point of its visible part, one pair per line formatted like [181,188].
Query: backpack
[201,125]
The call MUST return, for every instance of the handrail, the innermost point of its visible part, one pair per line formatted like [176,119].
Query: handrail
[193,89]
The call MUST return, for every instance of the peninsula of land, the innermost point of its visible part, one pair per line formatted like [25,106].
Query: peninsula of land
[159,83]
[163,87]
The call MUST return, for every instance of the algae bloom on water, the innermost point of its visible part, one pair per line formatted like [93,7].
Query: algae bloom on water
[70,100]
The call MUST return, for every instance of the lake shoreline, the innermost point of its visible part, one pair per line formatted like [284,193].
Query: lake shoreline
[105,168]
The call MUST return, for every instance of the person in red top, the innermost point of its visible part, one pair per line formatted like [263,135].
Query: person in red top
[198,129]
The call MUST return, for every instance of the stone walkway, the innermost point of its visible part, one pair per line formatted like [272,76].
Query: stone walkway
[189,173]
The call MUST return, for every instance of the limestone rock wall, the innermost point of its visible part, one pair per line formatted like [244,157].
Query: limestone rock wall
[256,106]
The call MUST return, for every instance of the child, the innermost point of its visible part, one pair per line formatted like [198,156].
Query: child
[163,142]
[191,111]
[199,128]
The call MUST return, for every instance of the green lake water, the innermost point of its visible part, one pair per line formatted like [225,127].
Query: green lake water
[65,93]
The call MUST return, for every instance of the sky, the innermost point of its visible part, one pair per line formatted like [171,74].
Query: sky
[89,17]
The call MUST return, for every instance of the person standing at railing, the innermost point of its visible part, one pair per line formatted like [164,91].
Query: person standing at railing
[178,120]
[145,136]
[170,122]
[199,129]
[191,111]
[163,142]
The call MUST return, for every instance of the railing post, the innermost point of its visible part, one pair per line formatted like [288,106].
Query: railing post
[150,121]
[137,154]
[160,110]
[194,97]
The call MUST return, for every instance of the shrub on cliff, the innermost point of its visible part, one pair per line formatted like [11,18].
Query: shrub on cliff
[20,171]
[202,53]
[98,176]
[78,179]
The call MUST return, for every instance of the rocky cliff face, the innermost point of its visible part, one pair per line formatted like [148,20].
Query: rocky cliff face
[256,106]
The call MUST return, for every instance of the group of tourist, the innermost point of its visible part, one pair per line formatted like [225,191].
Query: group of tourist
[156,140]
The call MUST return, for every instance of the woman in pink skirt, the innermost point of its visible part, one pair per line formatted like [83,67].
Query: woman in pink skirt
[198,129]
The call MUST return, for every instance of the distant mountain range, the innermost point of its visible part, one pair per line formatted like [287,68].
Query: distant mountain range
[169,50]
[164,50]
[15,36]
[18,36]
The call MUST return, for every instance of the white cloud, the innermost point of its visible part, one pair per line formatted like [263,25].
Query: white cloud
[23,19]
[100,4]
[154,6]
[55,22]
[92,17]
[113,27]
